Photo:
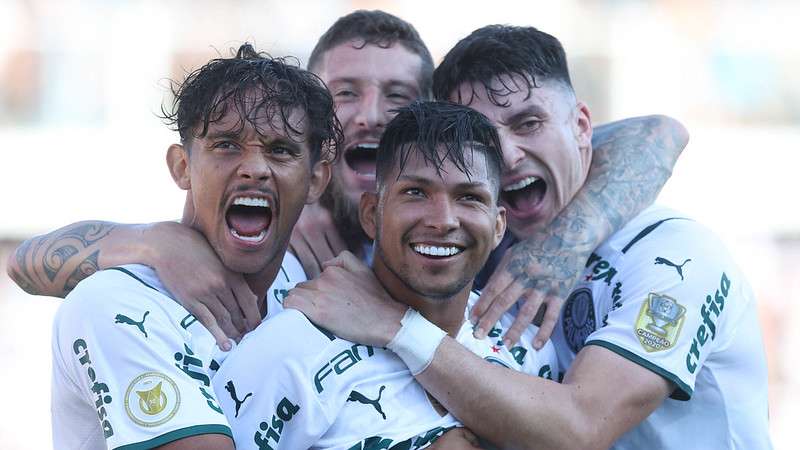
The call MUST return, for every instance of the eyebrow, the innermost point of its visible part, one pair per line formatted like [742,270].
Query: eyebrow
[460,186]
[391,83]
[530,110]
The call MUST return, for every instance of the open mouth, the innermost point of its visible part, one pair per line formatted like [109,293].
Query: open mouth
[436,251]
[249,218]
[525,194]
[361,159]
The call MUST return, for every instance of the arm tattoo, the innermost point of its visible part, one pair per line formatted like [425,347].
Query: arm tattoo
[87,267]
[42,260]
[632,161]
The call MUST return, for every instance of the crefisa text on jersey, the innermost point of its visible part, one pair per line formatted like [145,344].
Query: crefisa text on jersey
[708,328]
[272,430]
[100,389]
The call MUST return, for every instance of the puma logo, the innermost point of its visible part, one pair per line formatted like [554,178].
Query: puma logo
[356,396]
[666,262]
[121,318]
[232,390]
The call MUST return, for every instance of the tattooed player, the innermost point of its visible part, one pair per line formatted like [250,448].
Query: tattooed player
[659,332]
[131,367]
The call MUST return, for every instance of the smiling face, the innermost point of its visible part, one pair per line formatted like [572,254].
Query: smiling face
[366,82]
[247,186]
[433,234]
[545,137]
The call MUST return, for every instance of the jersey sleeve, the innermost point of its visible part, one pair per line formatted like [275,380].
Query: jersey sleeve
[266,386]
[677,303]
[290,273]
[117,349]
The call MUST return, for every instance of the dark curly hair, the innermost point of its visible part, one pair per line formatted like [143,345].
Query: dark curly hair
[280,87]
[426,128]
[381,29]
[495,50]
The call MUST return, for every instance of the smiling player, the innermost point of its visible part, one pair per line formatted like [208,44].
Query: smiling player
[257,136]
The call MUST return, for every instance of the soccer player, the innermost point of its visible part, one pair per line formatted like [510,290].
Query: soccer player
[372,62]
[131,367]
[435,219]
[660,331]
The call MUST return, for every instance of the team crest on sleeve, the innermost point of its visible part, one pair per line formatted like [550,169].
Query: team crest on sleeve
[578,318]
[152,399]
[659,322]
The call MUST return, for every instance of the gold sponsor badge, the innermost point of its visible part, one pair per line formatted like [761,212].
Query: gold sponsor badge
[659,323]
[152,399]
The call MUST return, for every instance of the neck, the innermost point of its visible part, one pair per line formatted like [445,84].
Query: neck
[445,312]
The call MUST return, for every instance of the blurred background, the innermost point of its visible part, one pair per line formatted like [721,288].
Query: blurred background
[82,81]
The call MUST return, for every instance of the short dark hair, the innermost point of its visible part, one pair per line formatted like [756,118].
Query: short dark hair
[280,87]
[424,126]
[381,29]
[496,50]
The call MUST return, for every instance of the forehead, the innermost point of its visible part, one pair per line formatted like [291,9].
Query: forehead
[417,168]
[512,96]
[349,61]
[256,118]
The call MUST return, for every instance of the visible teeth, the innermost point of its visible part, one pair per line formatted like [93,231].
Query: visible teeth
[436,251]
[525,182]
[255,238]
[367,146]
[251,201]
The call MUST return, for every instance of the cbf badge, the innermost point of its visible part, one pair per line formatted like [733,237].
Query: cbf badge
[659,323]
[152,399]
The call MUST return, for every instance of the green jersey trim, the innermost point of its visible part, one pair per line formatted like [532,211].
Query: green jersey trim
[683,393]
[179,434]
[131,274]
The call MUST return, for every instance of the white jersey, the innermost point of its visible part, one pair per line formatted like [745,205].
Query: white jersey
[292,385]
[131,367]
[664,293]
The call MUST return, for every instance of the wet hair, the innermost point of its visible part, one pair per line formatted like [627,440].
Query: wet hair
[424,127]
[496,50]
[381,29]
[257,86]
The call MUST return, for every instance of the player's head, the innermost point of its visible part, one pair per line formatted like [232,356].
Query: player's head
[372,62]
[257,138]
[435,216]
[518,78]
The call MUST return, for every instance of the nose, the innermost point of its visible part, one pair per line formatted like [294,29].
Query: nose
[371,110]
[254,166]
[512,154]
[440,215]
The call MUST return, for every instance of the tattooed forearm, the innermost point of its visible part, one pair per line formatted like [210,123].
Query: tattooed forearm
[632,161]
[54,263]
[87,267]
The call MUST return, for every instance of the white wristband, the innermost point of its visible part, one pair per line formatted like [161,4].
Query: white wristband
[416,342]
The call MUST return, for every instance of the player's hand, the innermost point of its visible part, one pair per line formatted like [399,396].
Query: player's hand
[187,265]
[349,301]
[315,239]
[457,439]
[533,276]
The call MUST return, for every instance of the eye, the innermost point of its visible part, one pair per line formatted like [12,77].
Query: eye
[414,192]
[226,146]
[345,94]
[283,150]
[529,125]
[398,97]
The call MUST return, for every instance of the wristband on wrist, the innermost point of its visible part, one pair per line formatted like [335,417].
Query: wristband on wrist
[416,342]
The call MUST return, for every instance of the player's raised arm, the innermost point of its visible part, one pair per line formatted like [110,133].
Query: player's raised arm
[632,161]
[54,263]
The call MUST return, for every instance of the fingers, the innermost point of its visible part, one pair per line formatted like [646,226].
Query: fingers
[498,306]
[301,249]
[247,301]
[204,316]
[531,300]
[553,308]
[347,261]
[231,313]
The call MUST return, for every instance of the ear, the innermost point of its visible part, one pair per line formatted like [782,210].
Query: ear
[178,164]
[499,226]
[320,176]
[368,213]
[583,132]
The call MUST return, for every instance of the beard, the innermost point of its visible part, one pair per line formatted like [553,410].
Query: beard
[345,217]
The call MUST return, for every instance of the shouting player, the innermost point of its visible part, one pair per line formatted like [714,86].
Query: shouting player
[131,367]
